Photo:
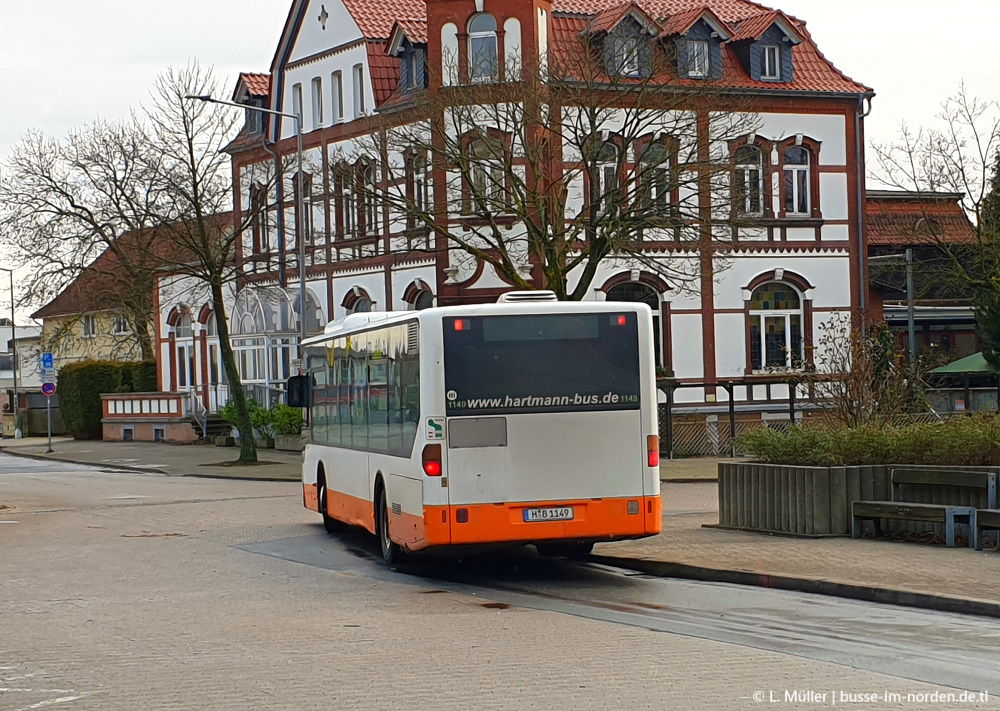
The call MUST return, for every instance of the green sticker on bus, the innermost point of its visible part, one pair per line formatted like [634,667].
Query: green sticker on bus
[435,428]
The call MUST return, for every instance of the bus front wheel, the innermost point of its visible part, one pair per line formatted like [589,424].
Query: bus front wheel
[392,554]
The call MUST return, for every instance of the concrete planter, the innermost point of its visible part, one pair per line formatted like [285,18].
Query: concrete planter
[816,501]
[288,442]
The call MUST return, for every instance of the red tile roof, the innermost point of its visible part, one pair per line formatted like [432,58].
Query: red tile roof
[813,72]
[607,20]
[753,27]
[384,71]
[681,22]
[727,10]
[257,84]
[376,17]
[903,218]
[415,30]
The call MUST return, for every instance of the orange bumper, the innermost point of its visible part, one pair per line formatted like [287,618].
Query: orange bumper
[593,519]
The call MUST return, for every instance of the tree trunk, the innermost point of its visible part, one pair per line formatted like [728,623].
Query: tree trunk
[145,339]
[248,444]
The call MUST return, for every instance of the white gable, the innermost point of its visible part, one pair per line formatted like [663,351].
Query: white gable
[313,38]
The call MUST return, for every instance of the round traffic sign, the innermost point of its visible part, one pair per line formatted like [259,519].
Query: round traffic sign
[48,389]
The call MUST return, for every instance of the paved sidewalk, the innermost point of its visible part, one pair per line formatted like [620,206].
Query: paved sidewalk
[883,564]
[196,460]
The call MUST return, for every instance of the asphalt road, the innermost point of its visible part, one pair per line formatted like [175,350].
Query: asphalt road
[124,590]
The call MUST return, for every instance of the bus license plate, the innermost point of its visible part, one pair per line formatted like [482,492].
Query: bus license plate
[564,513]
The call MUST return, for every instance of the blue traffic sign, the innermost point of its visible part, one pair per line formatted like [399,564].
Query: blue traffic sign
[48,361]
[48,389]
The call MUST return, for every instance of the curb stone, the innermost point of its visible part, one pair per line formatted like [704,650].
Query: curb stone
[139,470]
[815,586]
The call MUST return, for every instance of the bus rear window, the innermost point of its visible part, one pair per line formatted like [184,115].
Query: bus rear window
[541,363]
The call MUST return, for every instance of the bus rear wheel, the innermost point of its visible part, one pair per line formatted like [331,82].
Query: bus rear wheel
[392,554]
[559,549]
[331,524]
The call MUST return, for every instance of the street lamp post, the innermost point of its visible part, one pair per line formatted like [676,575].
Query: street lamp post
[299,208]
[910,306]
[13,349]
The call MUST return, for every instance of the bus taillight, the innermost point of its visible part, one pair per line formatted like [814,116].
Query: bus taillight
[623,320]
[653,450]
[432,460]
[459,324]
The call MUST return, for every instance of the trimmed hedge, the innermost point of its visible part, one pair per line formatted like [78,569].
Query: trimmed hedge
[82,384]
[958,441]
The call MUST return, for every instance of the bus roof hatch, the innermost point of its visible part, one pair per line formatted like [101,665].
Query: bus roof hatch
[522,296]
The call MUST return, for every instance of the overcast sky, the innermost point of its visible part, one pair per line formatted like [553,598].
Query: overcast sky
[64,63]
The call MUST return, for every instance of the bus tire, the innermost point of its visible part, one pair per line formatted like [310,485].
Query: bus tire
[331,524]
[559,549]
[392,554]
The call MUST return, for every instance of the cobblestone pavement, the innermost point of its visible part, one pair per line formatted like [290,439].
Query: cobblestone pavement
[960,572]
[127,591]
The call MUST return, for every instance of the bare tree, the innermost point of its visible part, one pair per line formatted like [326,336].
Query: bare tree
[546,177]
[865,381]
[84,209]
[959,155]
[194,212]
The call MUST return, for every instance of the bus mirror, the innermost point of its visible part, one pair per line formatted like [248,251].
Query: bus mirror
[298,390]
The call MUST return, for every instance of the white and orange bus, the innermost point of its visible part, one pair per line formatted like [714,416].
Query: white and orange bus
[528,421]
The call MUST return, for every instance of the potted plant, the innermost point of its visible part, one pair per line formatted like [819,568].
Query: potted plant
[288,422]
[262,420]
[228,413]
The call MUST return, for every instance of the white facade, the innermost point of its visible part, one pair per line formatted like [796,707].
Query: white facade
[759,310]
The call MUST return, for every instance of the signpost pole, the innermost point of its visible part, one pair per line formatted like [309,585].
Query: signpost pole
[48,416]
[48,390]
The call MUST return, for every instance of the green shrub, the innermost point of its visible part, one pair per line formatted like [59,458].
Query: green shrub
[82,384]
[288,420]
[959,441]
[262,419]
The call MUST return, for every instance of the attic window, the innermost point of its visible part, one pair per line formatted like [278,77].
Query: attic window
[627,56]
[771,65]
[698,59]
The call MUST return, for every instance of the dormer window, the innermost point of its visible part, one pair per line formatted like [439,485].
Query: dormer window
[771,62]
[627,56]
[254,119]
[698,59]
[413,70]
[483,62]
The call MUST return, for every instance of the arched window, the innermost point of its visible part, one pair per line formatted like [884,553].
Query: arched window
[184,327]
[776,320]
[749,198]
[483,64]
[362,306]
[424,300]
[637,292]
[797,181]
[605,178]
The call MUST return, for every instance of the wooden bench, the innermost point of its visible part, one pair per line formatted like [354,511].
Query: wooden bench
[986,520]
[945,514]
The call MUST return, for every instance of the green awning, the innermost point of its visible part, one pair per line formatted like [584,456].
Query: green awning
[972,364]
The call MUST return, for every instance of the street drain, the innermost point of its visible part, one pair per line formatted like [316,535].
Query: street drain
[495,605]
